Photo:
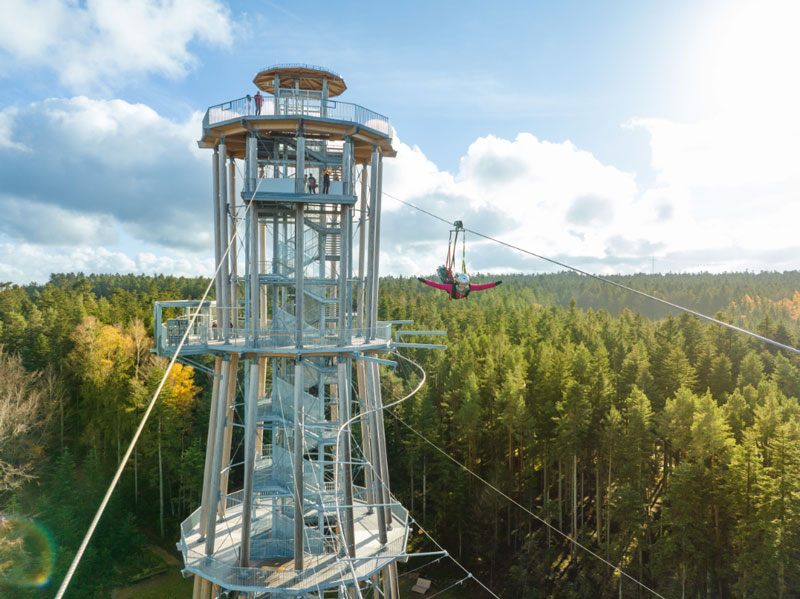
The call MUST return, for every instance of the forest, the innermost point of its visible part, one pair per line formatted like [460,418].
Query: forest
[667,446]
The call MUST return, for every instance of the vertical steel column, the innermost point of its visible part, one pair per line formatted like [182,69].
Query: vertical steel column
[390,578]
[363,406]
[197,588]
[376,250]
[347,166]
[251,168]
[276,87]
[254,277]
[348,526]
[299,254]
[276,259]
[230,412]
[370,324]
[262,264]
[262,385]
[346,237]
[224,240]
[297,449]
[251,164]
[247,267]
[381,439]
[251,414]
[377,457]
[300,165]
[285,259]
[234,246]
[324,107]
[205,501]
[344,274]
[216,464]
[217,235]
[362,234]
[390,573]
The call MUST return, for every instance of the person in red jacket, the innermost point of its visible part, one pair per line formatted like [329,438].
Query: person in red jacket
[461,288]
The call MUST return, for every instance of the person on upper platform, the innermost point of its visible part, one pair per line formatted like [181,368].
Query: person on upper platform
[461,288]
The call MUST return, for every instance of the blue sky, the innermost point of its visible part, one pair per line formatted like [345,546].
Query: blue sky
[606,135]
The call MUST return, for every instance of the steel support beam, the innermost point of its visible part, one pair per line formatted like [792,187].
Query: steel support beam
[366,436]
[251,414]
[217,235]
[377,455]
[346,265]
[235,245]
[362,234]
[297,449]
[344,369]
[230,412]
[216,464]
[300,165]
[376,250]
[373,222]
[224,269]
[255,295]
[205,502]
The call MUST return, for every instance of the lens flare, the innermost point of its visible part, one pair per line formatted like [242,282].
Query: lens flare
[27,552]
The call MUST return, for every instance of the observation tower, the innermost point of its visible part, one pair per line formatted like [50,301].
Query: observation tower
[303,510]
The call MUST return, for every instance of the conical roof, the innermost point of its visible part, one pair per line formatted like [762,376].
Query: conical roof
[309,77]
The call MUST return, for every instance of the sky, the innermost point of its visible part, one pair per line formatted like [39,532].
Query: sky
[616,137]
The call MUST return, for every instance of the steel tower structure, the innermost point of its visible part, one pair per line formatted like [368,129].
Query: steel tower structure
[311,516]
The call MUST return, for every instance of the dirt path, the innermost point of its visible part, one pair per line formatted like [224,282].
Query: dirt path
[151,585]
[168,558]
[137,589]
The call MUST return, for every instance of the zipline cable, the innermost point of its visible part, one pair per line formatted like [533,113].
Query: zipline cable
[523,508]
[85,542]
[378,478]
[336,473]
[609,281]
[469,575]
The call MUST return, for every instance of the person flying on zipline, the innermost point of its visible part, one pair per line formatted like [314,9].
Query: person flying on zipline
[461,288]
[458,286]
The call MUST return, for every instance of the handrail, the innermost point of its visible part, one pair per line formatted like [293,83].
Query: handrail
[307,103]
[279,333]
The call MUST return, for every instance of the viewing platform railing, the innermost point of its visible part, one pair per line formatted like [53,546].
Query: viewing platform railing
[319,571]
[206,334]
[297,102]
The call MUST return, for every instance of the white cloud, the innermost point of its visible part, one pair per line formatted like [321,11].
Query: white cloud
[23,263]
[718,203]
[44,224]
[7,131]
[102,42]
[96,162]
[728,152]
[549,197]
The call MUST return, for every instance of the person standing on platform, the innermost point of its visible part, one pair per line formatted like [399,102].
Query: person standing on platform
[312,184]
[326,181]
[259,99]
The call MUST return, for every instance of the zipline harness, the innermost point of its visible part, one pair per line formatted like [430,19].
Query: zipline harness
[446,272]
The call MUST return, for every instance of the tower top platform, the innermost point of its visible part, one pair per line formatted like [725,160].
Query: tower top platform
[304,76]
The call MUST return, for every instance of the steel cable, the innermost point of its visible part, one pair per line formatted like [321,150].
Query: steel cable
[608,281]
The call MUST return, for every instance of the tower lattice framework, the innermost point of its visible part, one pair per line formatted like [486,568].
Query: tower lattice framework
[301,509]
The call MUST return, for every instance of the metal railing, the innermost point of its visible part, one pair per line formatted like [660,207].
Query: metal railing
[206,335]
[256,579]
[297,102]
